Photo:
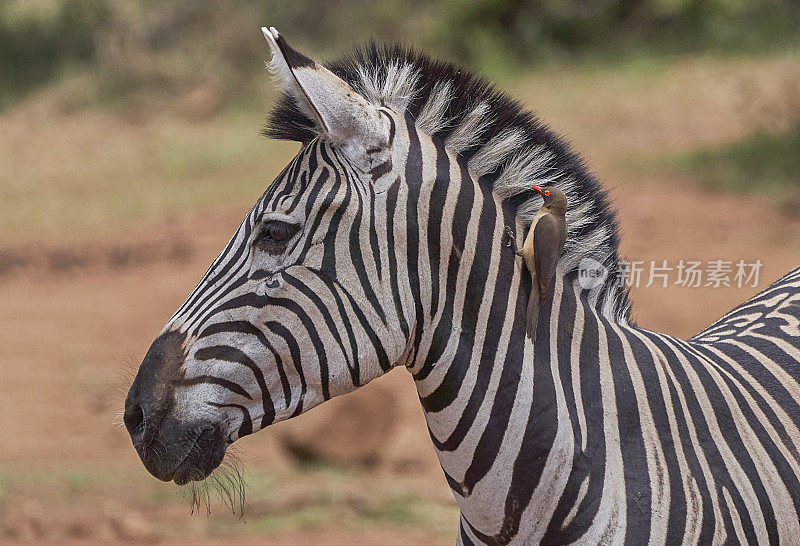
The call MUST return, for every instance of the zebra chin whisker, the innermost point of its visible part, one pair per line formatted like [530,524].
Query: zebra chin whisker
[227,484]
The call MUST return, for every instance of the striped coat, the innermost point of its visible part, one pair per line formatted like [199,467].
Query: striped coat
[382,244]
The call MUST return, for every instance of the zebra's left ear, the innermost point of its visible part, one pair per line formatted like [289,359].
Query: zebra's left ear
[343,116]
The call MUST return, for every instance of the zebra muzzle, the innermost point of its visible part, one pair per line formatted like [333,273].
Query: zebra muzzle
[169,447]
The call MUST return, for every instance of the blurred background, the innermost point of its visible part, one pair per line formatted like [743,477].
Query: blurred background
[130,151]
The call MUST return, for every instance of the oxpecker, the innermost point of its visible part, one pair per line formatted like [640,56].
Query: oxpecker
[542,248]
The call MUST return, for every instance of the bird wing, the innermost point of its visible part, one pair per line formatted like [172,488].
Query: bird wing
[547,247]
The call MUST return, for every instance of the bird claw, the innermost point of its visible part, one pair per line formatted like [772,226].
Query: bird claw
[512,240]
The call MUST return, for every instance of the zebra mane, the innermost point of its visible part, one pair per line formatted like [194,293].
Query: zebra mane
[502,141]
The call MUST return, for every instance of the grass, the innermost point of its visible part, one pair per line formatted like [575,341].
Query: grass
[114,166]
[326,496]
[296,498]
[3,491]
[762,163]
[83,173]
[78,482]
[344,510]
[407,510]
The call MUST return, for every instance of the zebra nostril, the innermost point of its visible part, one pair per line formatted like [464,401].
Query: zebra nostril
[133,418]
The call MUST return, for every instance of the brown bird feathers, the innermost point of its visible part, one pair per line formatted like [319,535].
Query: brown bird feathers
[542,249]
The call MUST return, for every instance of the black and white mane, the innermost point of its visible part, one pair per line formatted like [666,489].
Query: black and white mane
[503,142]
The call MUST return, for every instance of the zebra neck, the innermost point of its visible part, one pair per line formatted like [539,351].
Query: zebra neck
[503,415]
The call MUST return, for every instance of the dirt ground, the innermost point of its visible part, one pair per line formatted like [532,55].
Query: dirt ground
[77,314]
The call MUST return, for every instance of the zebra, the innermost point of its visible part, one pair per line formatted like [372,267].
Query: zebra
[381,244]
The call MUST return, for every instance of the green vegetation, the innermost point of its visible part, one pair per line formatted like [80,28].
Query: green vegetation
[37,38]
[3,491]
[529,31]
[409,510]
[283,501]
[79,173]
[762,163]
[134,47]
[136,109]
[78,482]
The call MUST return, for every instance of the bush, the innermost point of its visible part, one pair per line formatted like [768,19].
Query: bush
[134,44]
[38,38]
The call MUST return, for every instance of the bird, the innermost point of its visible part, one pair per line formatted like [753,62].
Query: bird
[542,248]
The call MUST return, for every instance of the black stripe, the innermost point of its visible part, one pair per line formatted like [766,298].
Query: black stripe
[475,287]
[435,218]
[413,180]
[715,460]
[329,322]
[676,521]
[247,424]
[592,461]
[357,257]
[383,359]
[488,447]
[638,492]
[248,328]
[213,284]
[224,290]
[324,205]
[537,440]
[741,382]
[373,238]
[208,379]
[313,335]
[497,314]
[764,377]
[465,540]
[566,331]
[227,353]
[391,205]
[785,470]
[294,350]
[733,439]
[444,329]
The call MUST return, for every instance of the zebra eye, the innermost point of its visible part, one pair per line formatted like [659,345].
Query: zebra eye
[275,234]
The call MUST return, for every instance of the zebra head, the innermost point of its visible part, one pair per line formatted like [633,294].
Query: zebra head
[303,304]
[380,244]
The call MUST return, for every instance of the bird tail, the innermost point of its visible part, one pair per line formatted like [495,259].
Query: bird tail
[533,314]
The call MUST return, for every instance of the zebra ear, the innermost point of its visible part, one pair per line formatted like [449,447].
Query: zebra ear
[341,114]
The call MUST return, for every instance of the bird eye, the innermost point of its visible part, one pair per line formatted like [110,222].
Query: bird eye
[547,192]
